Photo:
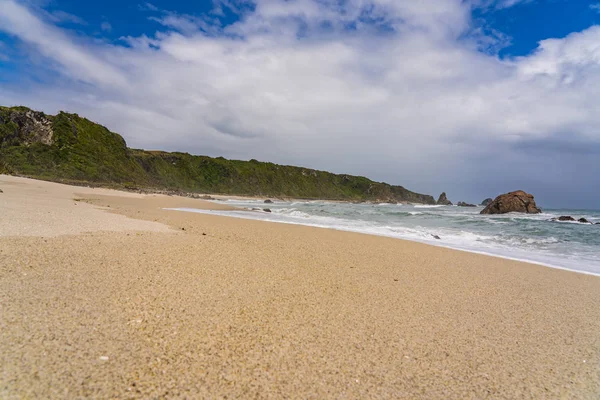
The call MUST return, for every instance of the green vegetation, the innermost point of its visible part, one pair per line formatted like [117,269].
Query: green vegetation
[69,148]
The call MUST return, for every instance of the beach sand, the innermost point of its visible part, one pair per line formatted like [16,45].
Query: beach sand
[104,294]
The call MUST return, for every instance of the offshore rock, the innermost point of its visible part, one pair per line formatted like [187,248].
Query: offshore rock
[487,201]
[564,218]
[518,201]
[443,200]
[463,204]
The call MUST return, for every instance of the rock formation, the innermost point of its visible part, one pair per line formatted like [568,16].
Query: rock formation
[31,127]
[463,204]
[443,200]
[564,218]
[583,221]
[518,201]
[268,201]
[487,201]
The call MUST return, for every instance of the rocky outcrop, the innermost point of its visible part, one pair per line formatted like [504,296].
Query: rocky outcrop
[267,210]
[31,127]
[463,204]
[568,218]
[564,218]
[268,201]
[443,200]
[487,201]
[518,201]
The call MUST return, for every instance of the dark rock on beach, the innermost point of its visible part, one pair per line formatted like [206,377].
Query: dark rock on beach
[463,204]
[443,200]
[487,201]
[266,209]
[1,191]
[267,201]
[518,201]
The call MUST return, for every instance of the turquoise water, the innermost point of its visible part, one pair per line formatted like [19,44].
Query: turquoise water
[531,238]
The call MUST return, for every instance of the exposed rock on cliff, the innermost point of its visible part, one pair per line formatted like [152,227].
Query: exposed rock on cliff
[28,127]
[518,201]
[443,200]
[487,201]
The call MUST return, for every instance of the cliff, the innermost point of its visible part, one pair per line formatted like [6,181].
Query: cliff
[69,148]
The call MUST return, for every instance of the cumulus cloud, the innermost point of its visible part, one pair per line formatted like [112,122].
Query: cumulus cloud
[395,90]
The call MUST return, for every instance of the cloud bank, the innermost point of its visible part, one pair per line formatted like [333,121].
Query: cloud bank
[402,91]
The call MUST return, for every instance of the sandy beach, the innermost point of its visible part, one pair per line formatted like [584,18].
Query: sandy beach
[103,294]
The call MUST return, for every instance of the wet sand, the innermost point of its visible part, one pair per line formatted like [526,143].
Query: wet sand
[103,294]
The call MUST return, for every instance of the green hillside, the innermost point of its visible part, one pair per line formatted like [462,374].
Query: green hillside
[70,148]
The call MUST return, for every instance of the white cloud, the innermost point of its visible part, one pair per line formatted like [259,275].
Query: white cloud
[402,96]
[106,26]
[595,7]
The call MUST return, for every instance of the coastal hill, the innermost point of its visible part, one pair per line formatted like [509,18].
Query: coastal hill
[71,149]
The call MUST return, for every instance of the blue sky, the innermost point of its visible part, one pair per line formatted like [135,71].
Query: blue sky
[471,97]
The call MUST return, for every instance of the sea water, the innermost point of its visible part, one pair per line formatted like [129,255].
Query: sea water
[528,237]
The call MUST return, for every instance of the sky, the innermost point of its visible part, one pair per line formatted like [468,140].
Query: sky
[471,97]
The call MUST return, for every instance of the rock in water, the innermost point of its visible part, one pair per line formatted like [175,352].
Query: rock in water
[443,200]
[266,209]
[487,201]
[566,218]
[583,221]
[267,201]
[563,218]
[463,204]
[518,201]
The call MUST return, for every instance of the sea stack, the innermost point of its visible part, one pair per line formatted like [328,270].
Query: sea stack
[518,201]
[443,200]
[487,201]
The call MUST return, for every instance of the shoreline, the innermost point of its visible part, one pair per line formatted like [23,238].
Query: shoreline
[113,297]
[423,241]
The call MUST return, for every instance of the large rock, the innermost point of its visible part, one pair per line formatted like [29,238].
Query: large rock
[518,201]
[31,127]
[443,200]
[487,201]
[565,218]
[463,204]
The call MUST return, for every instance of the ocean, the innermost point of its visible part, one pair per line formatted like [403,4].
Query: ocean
[527,237]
